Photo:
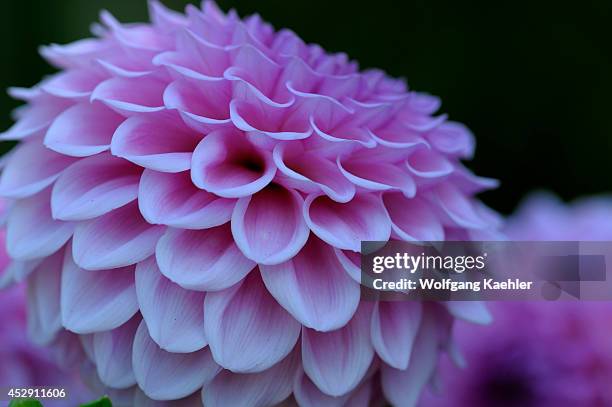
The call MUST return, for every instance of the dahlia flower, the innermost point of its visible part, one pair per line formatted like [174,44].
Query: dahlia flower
[538,353]
[191,197]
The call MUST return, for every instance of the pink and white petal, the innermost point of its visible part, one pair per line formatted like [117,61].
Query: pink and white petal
[112,352]
[308,170]
[470,183]
[361,396]
[268,227]
[452,138]
[86,341]
[337,361]
[169,376]
[459,209]
[262,389]
[35,118]
[83,130]
[247,330]
[44,315]
[345,225]
[141,400]
[75,54]
[17,270]
[426,163]
[173,200]
[313,287]
[227,164]
[31,232]
[129,96]
[30,169]
[96,301]
[377,176]
[118,65]
[258,114]
[471,311]
[351,263]
[403,387]
[308,395]
[398,138]
[206,260]
[201,114]
[94,186]
[158,142]
[174,316]
[412,219]
[73,84]
[119,238]
[394,328]
[164,18]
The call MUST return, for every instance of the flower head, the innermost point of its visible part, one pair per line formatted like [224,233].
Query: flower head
[538,353]
[192,194]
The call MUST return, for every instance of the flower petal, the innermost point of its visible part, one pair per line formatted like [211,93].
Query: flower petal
[426,163]
[268,227]
[36,118]
[206,260]
[246,329]
[96,301]
[174,316]
[73,83]
[337,361]
[377,176]
[308,172]
[413,219]
[30,169]
[201,114]
[394,328]
[227,164]
[308,395]
[403,387]
[345,225]
[158,142]
[83,130]
[128,96]
[173,200]
[141,400]
[262,389]
[168,376]
[116,239]
[44,315]
[94,186]
[458,207]
[31,232]
[258,114]
[471,311]
[112,351]
[313,287]
[452,138]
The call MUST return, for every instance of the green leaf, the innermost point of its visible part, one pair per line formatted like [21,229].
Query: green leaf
[25,403]
[103,402]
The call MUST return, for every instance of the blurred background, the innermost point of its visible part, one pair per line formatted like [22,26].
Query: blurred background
[531,79]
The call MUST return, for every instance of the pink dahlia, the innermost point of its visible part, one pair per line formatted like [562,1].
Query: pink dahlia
[538,354]
[192,194]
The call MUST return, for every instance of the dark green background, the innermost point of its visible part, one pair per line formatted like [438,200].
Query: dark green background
[532,79]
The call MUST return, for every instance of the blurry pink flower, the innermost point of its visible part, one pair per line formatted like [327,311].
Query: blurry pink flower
[23,364]
[192,194]
[539,354]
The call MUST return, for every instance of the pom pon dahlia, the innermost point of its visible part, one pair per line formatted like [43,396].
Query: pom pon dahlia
[190,199]
[538,354]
